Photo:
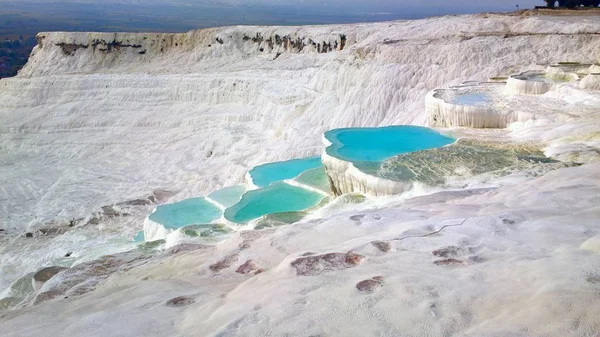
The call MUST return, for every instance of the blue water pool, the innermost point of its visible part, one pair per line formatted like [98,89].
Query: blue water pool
[228,196]
[185,213]
[378,144]
[267,174]
[473,98]
[539,78]
[139,237]
[277,198]
[315,178]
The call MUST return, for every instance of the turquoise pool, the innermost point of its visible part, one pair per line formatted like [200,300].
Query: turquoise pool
[315,178]
[267,174]
[139,237]
[187,212]
[228,196]
[379,144]
[277,198]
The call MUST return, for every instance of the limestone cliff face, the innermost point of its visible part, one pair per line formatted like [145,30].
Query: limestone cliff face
[61,52]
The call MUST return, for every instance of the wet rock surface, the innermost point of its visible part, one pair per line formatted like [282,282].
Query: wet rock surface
[245,244]
[383,246]
[248,267]
[594,279]
[180,301]
[52,231]
[122,209]
[250,236]
[184,248]
[161,195]
[319,264]
[370,285]
[225,263]
[447,252]
[450,262]
[8,302]
[45,274]
[126,208]
[357,217]
[86,276]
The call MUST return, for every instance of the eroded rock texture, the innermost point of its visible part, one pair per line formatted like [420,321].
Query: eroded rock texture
[319,264]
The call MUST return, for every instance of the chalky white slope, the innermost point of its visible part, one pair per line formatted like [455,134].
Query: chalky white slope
[98,119]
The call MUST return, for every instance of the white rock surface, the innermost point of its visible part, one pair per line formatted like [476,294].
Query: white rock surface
[347,178]
[92,129]
[590,82]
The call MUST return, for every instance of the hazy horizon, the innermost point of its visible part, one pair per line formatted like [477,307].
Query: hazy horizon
[31,16]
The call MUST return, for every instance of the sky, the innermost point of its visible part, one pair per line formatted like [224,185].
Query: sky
[458,6]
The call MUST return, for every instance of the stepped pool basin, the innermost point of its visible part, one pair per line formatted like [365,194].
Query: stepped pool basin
[228,196]
[139,237]
[546,78]
[267,174]
[475,105]
[314,179]
[358,145]
[472,98]
[288,187]
[279,197]
[185,213]
[354,156]
[538,83]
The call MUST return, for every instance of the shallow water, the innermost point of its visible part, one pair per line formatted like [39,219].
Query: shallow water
[315,178]
[228,196]
[267,174]
[463,159]
[379,144]
[547,78]
[139,237]
[474,98]
[540,78]
[277,198]
[187,212]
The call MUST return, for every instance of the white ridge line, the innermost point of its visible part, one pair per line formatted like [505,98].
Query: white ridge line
[430,234]
[220,206]
[250,182]
[306,187]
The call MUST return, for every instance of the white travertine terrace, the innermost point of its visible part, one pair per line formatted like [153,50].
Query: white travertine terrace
[594,69]
[559,71]
[345,178]
[442,113]
[81,128]
[524,83]
[154,231]
[521,84]
[498,111]
[590,82]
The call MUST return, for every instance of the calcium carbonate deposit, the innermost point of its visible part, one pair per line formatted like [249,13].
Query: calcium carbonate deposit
[139,195]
